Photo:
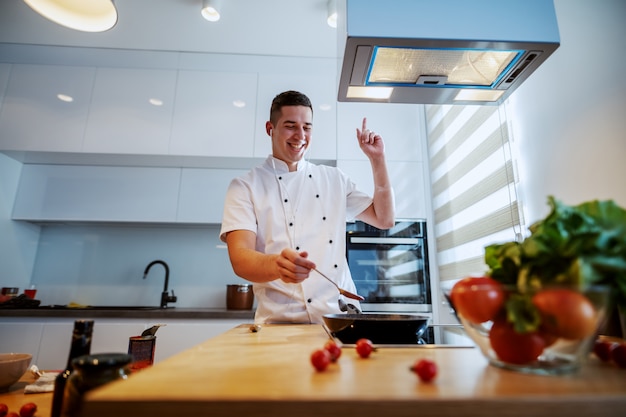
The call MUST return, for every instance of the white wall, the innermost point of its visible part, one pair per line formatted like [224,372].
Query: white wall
[18,241]
[569,118]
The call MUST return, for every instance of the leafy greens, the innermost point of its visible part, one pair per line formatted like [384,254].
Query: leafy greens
[574,245]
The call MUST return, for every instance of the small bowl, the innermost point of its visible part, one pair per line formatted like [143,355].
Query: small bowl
[12,367]
[550,349]
[380,328]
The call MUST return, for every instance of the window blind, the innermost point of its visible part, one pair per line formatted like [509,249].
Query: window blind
[473,181]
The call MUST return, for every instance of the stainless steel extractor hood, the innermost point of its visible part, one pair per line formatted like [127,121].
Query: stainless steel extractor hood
[442,52]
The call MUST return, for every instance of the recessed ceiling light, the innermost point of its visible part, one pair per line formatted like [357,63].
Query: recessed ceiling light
[239,103]
[65,98]
[325,107]
[155,102]
[86,16]
[211,10]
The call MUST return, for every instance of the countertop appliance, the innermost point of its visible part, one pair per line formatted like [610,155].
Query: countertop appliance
[390,267]
[442,52]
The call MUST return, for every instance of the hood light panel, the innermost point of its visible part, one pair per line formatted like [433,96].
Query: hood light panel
[457,67]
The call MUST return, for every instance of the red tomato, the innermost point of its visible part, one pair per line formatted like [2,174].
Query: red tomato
[4,409]
[425,369]
[364,347]
[603,349]
[618,354]
[333,349]
[513,347]
[566,313]
[477,299]
[28,410]
[320,359]
[13,414]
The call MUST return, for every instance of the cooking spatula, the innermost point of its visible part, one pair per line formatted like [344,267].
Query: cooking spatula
[343,292]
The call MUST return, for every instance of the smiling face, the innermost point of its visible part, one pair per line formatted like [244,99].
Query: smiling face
[291,134]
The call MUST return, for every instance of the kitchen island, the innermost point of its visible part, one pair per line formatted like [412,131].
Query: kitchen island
[268,373]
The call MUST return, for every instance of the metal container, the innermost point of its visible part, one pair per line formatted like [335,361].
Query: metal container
[239,297]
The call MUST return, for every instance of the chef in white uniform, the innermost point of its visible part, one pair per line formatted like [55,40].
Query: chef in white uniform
[288,216]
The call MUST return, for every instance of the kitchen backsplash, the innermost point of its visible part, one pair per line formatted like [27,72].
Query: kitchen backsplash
[104,265]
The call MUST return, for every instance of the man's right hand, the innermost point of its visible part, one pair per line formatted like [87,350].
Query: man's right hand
[294,267]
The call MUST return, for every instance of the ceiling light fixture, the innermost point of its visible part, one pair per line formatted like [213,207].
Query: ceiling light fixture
[64,97]
[211,10]
[86,16]
[332,13]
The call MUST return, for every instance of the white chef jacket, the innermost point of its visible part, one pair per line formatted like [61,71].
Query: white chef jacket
[306,210]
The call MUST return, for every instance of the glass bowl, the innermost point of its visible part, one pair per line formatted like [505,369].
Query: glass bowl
[546,331]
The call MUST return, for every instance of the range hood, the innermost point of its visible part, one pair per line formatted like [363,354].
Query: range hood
[442,52]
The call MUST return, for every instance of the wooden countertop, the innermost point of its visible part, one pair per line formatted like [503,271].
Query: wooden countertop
[268,373]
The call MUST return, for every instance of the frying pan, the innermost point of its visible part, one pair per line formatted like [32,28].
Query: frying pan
[380,328]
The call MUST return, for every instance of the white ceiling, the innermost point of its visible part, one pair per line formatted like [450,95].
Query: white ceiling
[291,28]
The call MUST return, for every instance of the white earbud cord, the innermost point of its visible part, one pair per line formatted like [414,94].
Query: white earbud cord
[291,239]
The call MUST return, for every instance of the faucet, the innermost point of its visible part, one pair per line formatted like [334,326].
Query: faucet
[165,297]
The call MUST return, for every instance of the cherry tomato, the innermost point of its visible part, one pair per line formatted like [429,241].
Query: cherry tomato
[425,369]
[364,347]
[603,349]
[513,347]
[320,359]
[477,299]
[28,410]
[566,313]
[4,410]
[333,349]
[618,354]
[13,414]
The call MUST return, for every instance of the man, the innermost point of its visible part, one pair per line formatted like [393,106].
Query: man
[287,216]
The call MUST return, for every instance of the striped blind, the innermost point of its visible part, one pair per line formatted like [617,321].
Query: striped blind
[473,185]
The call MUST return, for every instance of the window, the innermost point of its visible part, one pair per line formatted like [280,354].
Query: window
[474,198]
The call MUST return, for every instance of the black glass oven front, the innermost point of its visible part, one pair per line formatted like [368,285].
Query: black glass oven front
[390,267]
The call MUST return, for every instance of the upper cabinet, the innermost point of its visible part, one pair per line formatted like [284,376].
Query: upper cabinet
[97,193]
[131,111]
[214,114]
[45,108]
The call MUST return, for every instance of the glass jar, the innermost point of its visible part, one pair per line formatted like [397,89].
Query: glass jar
[92,371]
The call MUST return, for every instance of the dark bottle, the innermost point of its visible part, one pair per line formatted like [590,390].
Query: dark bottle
[81,345]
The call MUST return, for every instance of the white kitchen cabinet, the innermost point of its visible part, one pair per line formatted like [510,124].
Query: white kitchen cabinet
[97,193]
[398,124]
[408,182]
[20,336]
[131,111]
[321,90]
[179,335]
[33,118]
[48,340]
[202,194]
[214,114]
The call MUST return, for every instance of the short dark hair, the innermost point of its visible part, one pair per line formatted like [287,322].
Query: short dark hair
[288,98]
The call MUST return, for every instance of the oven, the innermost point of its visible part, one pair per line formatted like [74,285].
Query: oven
[390,267]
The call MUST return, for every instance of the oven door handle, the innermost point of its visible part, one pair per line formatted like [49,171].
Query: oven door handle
[386,240]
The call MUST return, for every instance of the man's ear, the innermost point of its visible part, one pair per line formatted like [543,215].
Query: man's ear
[268,128]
